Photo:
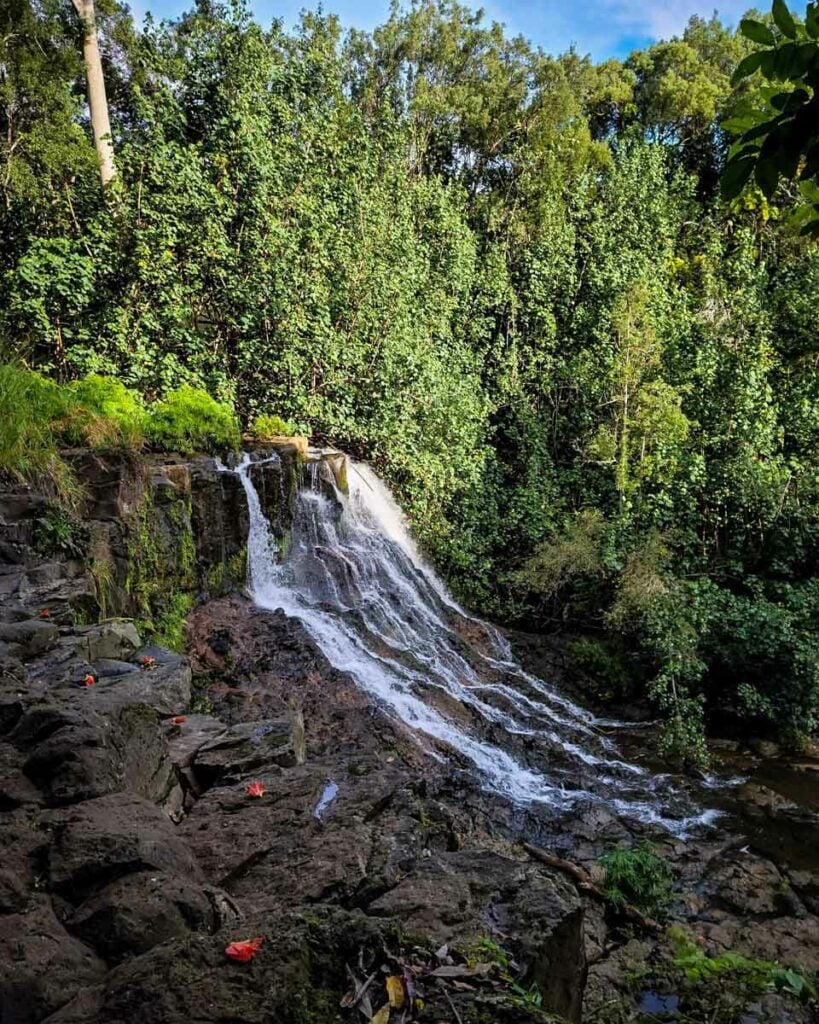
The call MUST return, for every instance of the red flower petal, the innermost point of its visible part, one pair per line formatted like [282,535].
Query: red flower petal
[89,680]
[255,789]
[178,719]
[244,950]
[45,614]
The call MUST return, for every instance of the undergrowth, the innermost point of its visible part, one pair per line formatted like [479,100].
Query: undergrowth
[638,876]
[39,418]
[272,426]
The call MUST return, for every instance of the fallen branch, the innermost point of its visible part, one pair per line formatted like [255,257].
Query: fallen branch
[584,883]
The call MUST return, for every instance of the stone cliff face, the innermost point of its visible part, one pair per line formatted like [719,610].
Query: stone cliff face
[133,852]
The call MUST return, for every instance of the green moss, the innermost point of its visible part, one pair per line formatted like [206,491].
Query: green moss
[226,576]
[161,555]
[33,406]
[103,575]
[170,624]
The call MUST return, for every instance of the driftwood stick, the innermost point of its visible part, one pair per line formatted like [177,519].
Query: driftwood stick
[583,881]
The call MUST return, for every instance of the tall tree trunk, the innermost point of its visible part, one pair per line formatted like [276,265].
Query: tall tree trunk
[97,100]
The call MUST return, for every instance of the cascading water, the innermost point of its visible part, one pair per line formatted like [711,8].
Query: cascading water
[355,579]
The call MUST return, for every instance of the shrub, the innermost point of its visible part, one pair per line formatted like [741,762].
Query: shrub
[189,420]
[272,426]
[57,532]
[638,876]
[106,414]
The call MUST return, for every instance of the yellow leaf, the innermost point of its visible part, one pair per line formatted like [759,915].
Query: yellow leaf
[395,991]
[383,1015]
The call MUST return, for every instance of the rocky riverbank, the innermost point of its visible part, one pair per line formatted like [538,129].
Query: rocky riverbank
[158,806]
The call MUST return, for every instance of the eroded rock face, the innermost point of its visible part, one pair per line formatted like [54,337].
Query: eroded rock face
[173,806]
[134,850]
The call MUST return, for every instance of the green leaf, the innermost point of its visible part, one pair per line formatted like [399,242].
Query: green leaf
[806,55]
[810,190]
[747,66]
[735,177]
[784,19]
[787,160]
[739,124]
[812,20]
[758,132]
[786,60]
[757,32]
[766,174]
[768,64]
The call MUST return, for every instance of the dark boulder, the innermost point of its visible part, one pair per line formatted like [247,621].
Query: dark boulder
[101,840]
[43,966]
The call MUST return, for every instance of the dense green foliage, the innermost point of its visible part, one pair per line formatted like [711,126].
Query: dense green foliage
[779,131]
[507,278]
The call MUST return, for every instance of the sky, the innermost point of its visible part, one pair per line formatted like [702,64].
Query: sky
[602,28]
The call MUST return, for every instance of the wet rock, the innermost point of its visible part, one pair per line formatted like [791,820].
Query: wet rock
[44,966]
[185,740]
[765,748]
[101,840]
[114,482]
[298,977]
[762,800]
[276,484]
[15,789]
[245,747]
[112,640]
[83,752]
[747,885]
[166,687]
[133,914]
[110,668]
[29,638]
[459,896]
[219,517]
[14,895]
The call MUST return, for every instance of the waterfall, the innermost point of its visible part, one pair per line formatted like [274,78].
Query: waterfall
[355,579]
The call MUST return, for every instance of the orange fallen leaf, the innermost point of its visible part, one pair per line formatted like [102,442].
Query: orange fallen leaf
[244,949]
[89,680]
[147,661]
[45,613]
[178,719]
[255,789]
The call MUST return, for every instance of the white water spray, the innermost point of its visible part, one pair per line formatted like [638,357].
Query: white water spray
[354,577]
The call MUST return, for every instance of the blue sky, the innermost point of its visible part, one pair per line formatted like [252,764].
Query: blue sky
[603,28]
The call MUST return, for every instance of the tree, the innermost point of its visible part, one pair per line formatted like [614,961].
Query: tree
[779,135]
[97,100]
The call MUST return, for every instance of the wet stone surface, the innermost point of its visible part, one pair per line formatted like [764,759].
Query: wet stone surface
[179,804]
